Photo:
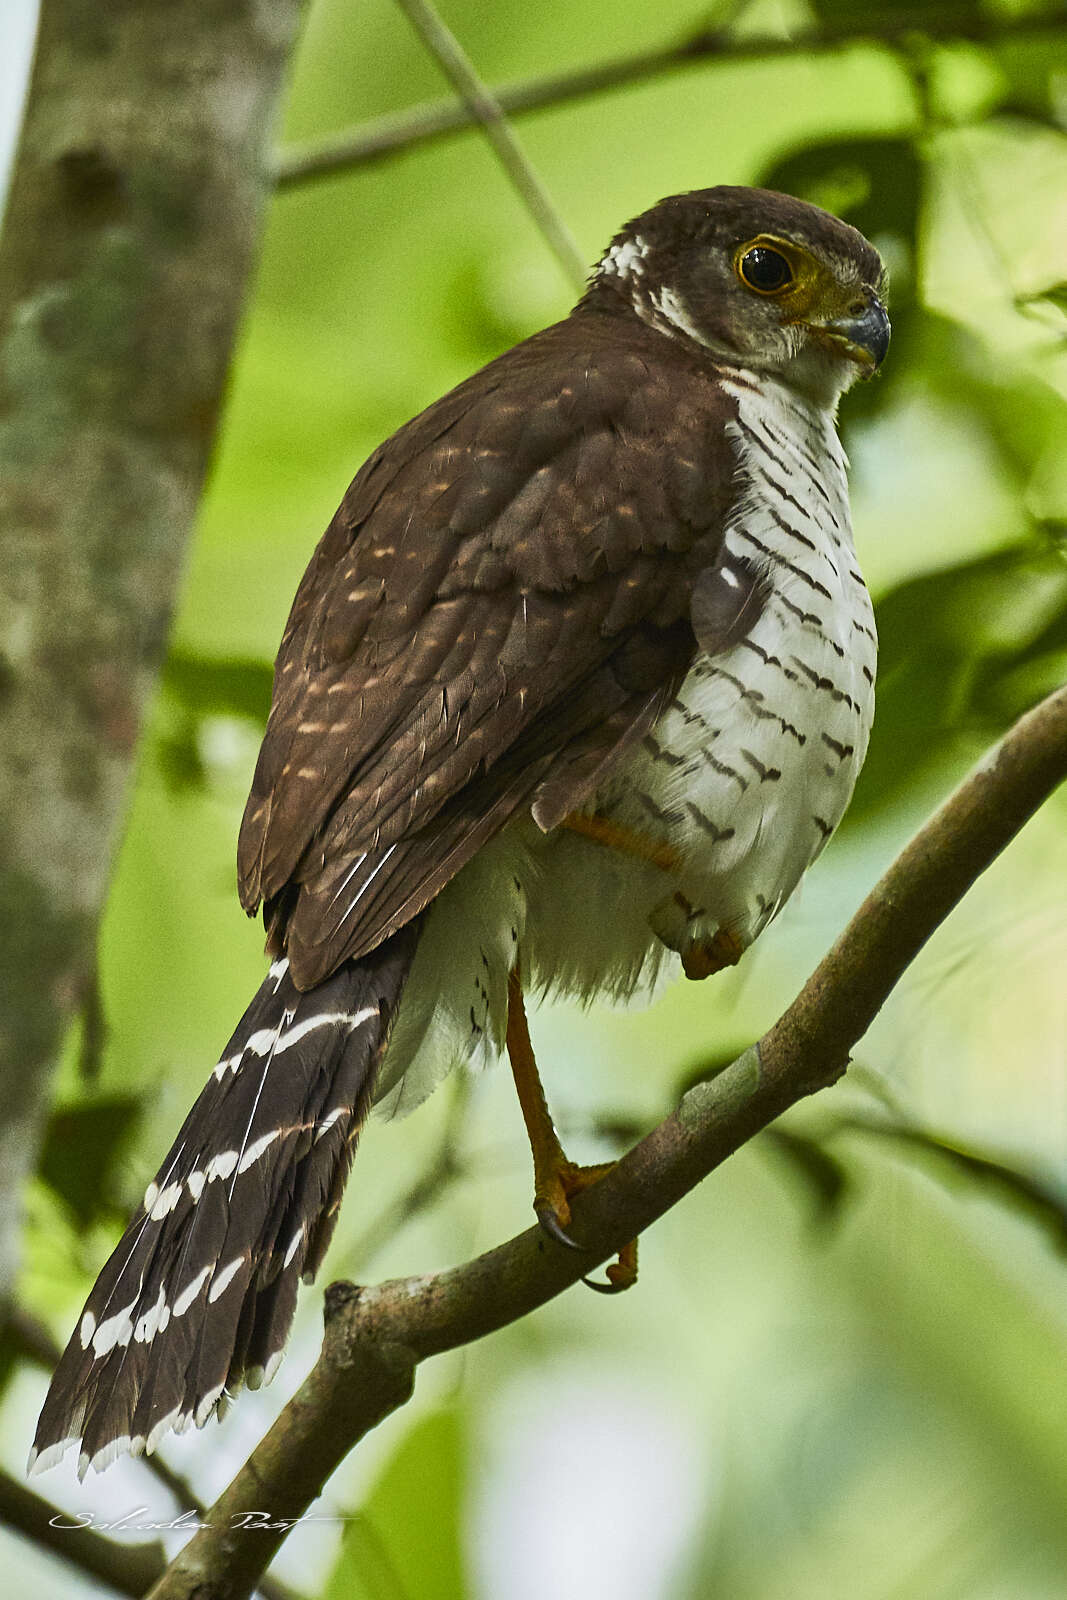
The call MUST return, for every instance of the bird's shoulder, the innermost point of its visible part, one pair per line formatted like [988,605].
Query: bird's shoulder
[594,416]
[548,513]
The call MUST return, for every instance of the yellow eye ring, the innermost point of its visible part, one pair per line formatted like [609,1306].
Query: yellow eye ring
[763,269]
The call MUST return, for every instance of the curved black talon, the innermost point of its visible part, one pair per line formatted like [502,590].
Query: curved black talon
[605,1288]
[554,1228]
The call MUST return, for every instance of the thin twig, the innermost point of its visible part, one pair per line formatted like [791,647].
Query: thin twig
[443,1168]
[126,1568]
[376,1337]
[1026,1191]
[30,1339]
[387,136]
[482,107]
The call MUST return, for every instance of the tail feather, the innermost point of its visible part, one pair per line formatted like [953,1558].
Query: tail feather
[201,1290]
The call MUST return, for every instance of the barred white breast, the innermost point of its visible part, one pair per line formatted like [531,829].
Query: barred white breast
[752,767]
[744,778]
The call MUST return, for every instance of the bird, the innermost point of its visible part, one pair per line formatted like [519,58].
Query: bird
[575,688]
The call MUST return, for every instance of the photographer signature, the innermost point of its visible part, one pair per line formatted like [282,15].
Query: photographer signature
[188,1522]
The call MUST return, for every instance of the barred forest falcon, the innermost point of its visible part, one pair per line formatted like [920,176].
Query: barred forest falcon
[578,682]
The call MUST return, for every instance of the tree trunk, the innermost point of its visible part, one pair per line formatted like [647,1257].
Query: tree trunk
[133,219]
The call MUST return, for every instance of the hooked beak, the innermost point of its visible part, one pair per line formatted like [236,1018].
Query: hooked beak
[864,337]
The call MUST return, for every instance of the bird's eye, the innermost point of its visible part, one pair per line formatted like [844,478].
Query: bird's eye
[765,270]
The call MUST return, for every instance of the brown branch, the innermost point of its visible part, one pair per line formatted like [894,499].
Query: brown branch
[388,136]
[376,1337]
[126,1568]
[484,109]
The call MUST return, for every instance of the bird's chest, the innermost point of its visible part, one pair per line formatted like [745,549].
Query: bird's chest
[751,767]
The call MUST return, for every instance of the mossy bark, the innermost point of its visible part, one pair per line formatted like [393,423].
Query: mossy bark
[131,230]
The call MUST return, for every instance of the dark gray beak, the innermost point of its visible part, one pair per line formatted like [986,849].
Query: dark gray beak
[865,336]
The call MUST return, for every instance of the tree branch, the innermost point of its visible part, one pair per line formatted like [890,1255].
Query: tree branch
[376,1337]
[484,109]
[355,147]
[126,1568]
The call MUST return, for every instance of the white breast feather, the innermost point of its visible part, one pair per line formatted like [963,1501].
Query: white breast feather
[746,776]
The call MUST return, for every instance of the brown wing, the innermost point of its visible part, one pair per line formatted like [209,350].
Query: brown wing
[502,598]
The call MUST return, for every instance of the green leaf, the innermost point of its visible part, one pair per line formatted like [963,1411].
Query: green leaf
[936,18]
[1030,68]
[952,647]
[1055,295]
[80,1148]
[178,754]
[876,184]
[207,685]
[406,1542]
[821,1173]
[194,689]
[1026,1192]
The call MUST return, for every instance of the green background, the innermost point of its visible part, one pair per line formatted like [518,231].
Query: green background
[844,1369]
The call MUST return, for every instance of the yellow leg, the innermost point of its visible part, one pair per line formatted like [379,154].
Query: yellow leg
[556,1179]
[616,836]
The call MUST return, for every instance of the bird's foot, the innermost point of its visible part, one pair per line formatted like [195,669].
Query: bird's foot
[556,1179]
[620,1273]
[555,1190]
[705,956]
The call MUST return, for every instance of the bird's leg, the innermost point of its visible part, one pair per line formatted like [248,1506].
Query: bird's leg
[551,1166]
[556,1179]
[616,836]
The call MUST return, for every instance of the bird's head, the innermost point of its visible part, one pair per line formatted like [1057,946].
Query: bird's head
[759,279]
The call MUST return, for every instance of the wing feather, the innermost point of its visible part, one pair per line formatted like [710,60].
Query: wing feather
[502,594]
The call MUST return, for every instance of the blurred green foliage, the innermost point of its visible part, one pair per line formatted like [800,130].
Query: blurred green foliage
[406,1540]
[842,1374]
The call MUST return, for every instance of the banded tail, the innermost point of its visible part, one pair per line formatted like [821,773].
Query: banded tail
[201,1290]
